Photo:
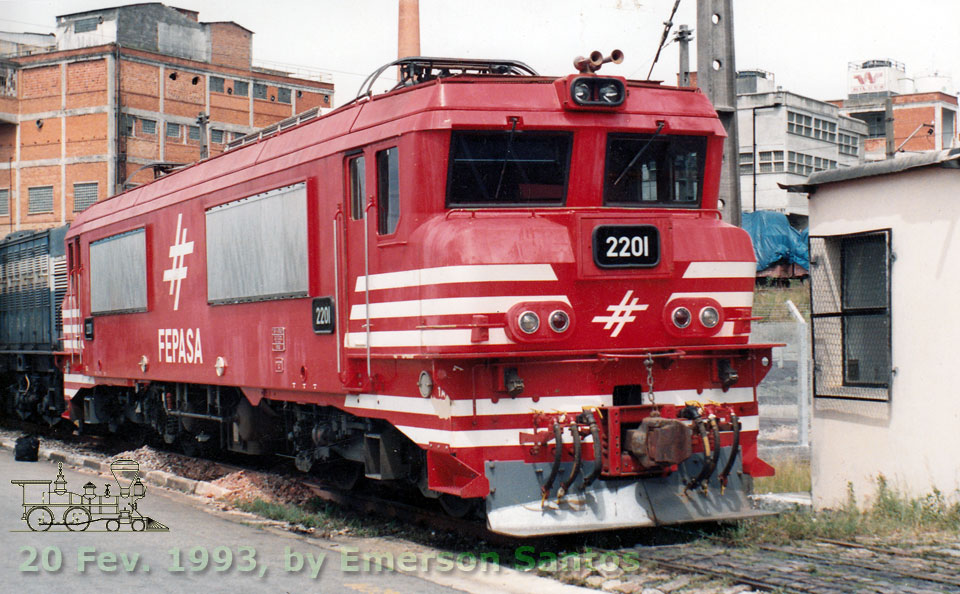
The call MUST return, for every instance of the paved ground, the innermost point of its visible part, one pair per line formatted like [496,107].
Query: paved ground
[207,551]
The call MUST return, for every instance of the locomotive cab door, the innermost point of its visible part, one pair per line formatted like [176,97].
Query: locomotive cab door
[371,177]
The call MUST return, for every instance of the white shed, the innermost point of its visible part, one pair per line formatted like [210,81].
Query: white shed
[885,282]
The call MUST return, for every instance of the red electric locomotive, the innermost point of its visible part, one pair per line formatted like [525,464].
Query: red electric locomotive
[504,288]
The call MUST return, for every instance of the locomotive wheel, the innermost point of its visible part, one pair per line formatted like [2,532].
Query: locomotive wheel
[138,525]
[343,474]
[76,518]
[456,507]
[40,519]
[113,525]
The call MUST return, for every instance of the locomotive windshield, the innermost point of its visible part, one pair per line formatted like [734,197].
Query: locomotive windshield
[508,168]
[654,170]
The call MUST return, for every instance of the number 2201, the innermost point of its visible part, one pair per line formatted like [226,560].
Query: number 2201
[629,247]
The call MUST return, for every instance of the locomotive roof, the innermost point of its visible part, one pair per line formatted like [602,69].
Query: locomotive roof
[475,99]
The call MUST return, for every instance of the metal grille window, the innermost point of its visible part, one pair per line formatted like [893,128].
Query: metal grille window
[746,163]
[283,95]
[771,161]
[118,273]
[216,136]
[84,195]
[850,285]
[148,126]
[241,88]
[40,200]
[86,25]
[271,261]
[259,91]
[173,130]
[4,203]
[193,132]
[216,84]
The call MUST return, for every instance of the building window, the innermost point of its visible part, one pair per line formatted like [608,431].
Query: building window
[216,136]
[148,126]
[86,25]
[173,130]
[746,163]
[259,91]
[875,121]
[849,144]
[241,88]
[771,161]
[283,95]
[193,132]
[4,203]
[803,164]
[804,125]
[84,195]
[850,276]
[40,200]
[216,84]
[357,184]
[388,190]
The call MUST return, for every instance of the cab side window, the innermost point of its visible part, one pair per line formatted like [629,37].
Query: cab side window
[388,190]
[357,184]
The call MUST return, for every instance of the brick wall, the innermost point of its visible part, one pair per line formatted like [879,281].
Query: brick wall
[40,139]
[183,93]
[906,120]
[86,83]
[230,45]
[81,173]
[39,176]
[40,89]
[307,100]
[87,135]
[139,85]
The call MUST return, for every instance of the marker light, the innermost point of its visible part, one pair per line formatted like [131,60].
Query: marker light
[681,317]
[611,93]
[709,317]
[559,321]
[529,322]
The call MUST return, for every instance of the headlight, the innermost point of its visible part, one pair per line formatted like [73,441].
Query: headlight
[581,92]
[529,322]
[681,317]
[559,321]
[709,317]
[611,93]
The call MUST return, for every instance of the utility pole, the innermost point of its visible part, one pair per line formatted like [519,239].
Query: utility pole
[202,120]
[683,37]
[717,76]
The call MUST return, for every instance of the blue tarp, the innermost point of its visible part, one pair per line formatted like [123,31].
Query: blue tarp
[775,240]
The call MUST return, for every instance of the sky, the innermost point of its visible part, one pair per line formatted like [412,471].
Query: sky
[806,44]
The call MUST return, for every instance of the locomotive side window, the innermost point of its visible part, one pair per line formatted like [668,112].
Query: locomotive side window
[508,168]
[257,247]
[388,190]
[356,170]
[118,273]
[654,170]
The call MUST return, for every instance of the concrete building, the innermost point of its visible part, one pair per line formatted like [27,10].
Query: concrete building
[117,100]
[884,253]
[784,137]
[902,113]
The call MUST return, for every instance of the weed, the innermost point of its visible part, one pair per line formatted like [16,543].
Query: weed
[793,476]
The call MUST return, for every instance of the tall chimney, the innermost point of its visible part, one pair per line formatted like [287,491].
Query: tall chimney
[408,34]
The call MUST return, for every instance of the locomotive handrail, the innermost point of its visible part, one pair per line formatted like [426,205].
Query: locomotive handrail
[419,69]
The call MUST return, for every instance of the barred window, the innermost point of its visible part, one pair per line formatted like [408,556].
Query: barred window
[4,203]
[241,88]
[216,136]
[173,130]
[850,276]
[216,84]
[283,95]
[148,126]
[259,91]
[40,200]
[86,25]
[193,132]
[84,195]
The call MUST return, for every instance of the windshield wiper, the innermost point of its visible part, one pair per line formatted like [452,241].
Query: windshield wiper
[506,155]
[639,154]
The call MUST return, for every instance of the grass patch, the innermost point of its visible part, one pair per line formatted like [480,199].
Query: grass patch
[891,514]
[316,513]
[793,476]
[770,303]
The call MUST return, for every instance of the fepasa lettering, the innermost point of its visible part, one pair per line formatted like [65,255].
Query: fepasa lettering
[179,345]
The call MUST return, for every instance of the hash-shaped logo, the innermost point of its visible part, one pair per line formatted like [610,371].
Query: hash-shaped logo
[620,314]
[178,270]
